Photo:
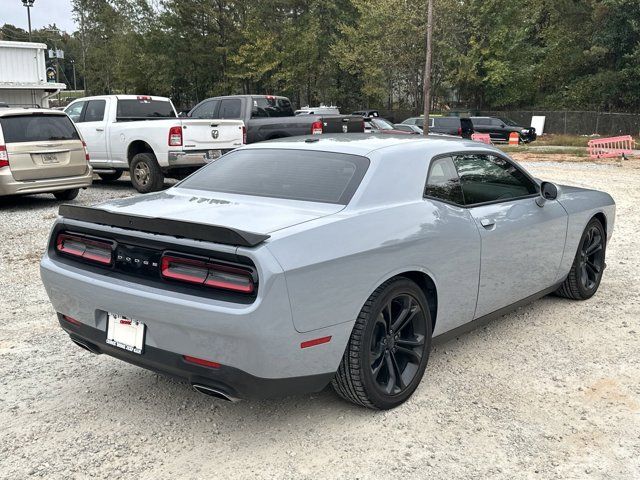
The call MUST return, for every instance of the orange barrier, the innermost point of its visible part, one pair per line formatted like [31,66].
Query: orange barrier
[481,137]
[514,139]
[611,147]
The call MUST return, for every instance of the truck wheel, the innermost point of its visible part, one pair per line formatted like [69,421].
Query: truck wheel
[388,349]
[110,177]
[146,175]
[67,194]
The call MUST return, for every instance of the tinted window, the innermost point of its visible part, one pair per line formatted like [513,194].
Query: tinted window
[94,111]
[37,128]
[443,181]
[486,178]
[205,109]
[291,174]
[75,110]
[230,108]
[481,121]
[143,108]
[271,107]
[449,122]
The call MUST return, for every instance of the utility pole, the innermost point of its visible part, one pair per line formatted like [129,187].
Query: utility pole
[427,68]
[73,66]
[28,4]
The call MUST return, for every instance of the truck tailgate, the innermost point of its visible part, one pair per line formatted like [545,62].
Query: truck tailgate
[342,124]
[212,134]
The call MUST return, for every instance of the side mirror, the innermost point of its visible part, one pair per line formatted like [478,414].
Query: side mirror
[548,191]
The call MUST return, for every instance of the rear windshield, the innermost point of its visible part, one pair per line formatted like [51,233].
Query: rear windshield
[291,174]
[37,127]
[143,108]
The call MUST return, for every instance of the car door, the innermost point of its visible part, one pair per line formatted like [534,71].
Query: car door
[92,127]
[522,243]
[499,130]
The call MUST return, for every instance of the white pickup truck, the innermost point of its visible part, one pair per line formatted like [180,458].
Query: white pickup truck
[144,135]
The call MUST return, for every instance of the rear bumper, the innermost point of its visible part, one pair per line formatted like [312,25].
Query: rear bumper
[10,186]
[231,381]
[191,158]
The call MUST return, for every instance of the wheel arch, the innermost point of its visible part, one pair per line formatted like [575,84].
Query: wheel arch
[138,146]
[603,220]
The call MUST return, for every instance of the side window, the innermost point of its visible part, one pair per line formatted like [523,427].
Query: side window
[443,182]
[230,108]
[74,111]
[206,109]
[487,178]
[496,122]
[94,111]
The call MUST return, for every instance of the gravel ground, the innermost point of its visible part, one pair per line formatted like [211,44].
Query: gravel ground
[549,391]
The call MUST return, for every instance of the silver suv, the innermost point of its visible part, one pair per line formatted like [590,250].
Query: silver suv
[41,151]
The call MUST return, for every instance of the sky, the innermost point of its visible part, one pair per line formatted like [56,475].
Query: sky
[43,13]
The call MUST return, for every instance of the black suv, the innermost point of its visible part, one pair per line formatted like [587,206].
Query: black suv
[458,126]
[501,128]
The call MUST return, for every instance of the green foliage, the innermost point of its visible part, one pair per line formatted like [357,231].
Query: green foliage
[488,54]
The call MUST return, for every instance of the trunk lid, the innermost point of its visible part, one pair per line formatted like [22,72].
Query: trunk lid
[212,134]
[42,145]
[241,212]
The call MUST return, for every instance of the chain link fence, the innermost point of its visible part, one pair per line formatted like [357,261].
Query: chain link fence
[558,122]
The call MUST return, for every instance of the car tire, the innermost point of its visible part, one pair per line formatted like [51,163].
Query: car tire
[146,175]
[381,368]
[110,177]
[67,194]
[588,265]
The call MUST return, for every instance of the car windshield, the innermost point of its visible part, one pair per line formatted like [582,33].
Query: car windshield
[508,121]
[37,127]
[382,124]
[305,175]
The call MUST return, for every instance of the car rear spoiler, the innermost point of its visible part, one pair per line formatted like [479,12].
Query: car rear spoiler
[164,226]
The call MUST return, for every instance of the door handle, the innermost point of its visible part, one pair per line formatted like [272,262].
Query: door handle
[487,223]
[99,129]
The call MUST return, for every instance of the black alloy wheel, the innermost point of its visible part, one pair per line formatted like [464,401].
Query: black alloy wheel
[389,347]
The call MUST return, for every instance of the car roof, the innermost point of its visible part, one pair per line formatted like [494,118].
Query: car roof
[364,143]
[5,112]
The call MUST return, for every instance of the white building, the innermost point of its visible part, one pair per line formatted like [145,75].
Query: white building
[23,75]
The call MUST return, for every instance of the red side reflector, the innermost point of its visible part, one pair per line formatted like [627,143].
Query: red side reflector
[315,341]
[71,320]
[200,361]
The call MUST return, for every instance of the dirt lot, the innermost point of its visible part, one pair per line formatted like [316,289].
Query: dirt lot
[549,391]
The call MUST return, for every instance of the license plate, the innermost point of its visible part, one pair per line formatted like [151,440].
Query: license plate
[213,154]
[49,158]
[125,333]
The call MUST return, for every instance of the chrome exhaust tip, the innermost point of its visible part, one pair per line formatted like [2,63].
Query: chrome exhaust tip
[214,392]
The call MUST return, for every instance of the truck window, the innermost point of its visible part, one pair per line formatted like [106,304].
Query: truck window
[94,111]
[143,108]
[271,107]
[39,127]
[206,109]
[230,108]
[75,110]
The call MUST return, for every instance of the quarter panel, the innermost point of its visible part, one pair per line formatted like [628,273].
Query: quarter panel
[333,267]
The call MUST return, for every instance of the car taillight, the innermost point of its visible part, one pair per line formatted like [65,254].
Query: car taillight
[175,136]
[316,128]
[460,131]
[206,273]
[86,152]
[4,156]
[244,135]
[77,246]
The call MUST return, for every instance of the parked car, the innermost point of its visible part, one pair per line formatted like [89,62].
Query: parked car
[458,126]
[143,135]
[408,128]
[267,117]
[367,113]
[321,110]
[382,125]
[290,264]
[41,152]
[499,129]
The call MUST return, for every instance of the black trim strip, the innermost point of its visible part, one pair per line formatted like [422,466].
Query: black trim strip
[164,226]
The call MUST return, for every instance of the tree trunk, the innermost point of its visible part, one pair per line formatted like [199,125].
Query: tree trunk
[427,68]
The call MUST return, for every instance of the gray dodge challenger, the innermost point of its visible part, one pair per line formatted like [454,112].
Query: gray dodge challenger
[288,265]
